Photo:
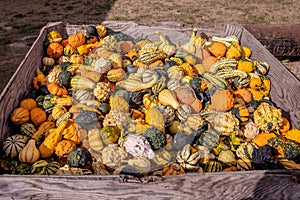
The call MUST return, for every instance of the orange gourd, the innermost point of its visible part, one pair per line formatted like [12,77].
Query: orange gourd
[76,39]
[20,116]
[55,50]
[38,116]
[28,103]
[218,49]
[39,81]
[56,89]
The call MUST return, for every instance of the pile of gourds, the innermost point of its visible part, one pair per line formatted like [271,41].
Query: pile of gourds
[111,104]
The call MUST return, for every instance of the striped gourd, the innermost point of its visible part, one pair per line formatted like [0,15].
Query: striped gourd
[261,68]
[64,117]
[51,168]
[213,166]
[47,104]
[28,129]
[224,63]
[30,153]
[149,57]
[216,81]
[209,139]
[244,164]
[82,83]
[13,144]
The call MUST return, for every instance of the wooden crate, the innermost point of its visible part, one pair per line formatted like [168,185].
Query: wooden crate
[230,185]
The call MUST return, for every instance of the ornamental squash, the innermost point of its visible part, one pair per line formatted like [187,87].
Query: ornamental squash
[38,116]
[13,144]
[110,134]
[218,49]
[64,147]
[20,116]
[28,103]
[76,39]
[28,129]
[29,154]
[57,89]
[57,111]
[39,81]
[80,157]
[55,50]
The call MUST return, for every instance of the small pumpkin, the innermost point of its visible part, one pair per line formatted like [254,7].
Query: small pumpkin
[38,116]
[218,49]
[28,103]
[55,50]
[29,154]
[208,61]
[262,138]
[48,61]
[57,89]
[20,116]
[293,134]
[244,94]
[255,83]
[76,39]
[76,59]
[110,134]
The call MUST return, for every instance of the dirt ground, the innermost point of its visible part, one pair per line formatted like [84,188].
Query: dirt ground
[21,21]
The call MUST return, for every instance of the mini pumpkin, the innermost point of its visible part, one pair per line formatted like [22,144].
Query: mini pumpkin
[55,50]
[76,39]
[38,116]
[28,103]
[218,49]
[20,116]
[57,89]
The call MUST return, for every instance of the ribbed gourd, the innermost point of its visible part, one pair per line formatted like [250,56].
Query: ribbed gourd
[13,144]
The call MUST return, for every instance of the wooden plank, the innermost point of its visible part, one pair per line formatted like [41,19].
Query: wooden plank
[229,185]
[282,40]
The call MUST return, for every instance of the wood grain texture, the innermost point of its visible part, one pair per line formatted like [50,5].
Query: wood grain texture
[229,185]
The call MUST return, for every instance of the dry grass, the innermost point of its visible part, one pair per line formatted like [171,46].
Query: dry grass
[23,19]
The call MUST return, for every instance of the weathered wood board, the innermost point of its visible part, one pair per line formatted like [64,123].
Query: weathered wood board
[230,185]
[239,185]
